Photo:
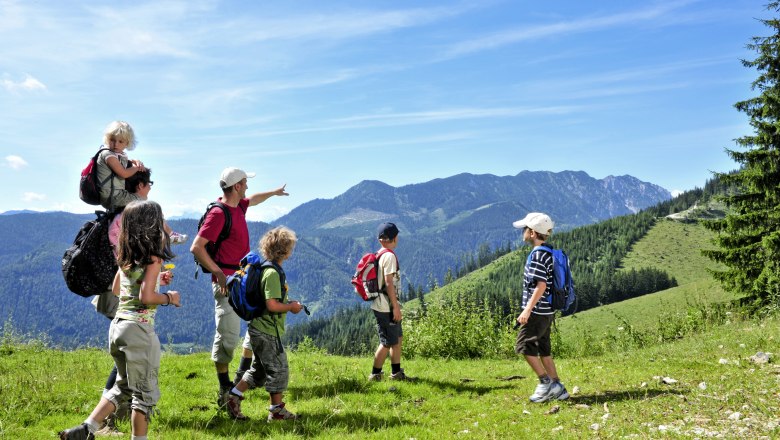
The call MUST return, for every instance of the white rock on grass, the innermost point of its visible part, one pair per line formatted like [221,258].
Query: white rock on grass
[735,416]
[668,380]
[761,358]
[575,390]
[723,361]
[702,386]
[595,426]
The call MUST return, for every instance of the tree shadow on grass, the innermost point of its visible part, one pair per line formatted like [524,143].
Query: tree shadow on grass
[462,387]
[352,385]
[617,396]
[309,425]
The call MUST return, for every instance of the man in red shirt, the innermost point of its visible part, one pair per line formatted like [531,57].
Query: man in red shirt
[231,250]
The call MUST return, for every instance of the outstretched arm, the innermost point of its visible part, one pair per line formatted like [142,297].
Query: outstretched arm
[258,198]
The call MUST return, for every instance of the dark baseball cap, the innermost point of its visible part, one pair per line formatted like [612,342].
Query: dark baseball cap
[387,230]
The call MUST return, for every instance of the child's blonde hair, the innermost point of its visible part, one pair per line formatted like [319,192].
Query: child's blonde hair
[278,243]
[119,130]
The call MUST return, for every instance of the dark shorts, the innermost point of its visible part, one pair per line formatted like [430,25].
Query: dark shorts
[533,339]
[389,331]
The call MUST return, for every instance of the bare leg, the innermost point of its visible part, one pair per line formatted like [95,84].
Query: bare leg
[536,365]
[139,422]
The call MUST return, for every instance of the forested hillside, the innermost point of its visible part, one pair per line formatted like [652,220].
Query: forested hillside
[596,253]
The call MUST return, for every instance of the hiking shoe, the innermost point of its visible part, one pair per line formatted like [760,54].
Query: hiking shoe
[543,392]
[109,428]
[562,393]
[177,238]
[80,432]
[402,376]
[280,413]
[375,377]
[234,407]
[222,397]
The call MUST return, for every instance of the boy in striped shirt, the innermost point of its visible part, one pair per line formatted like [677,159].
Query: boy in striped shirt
[536,319]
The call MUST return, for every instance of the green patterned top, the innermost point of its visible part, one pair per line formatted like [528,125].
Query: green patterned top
[130,306]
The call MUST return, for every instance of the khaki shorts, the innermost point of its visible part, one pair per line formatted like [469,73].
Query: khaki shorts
[228,329]
[135,348]
[533,339]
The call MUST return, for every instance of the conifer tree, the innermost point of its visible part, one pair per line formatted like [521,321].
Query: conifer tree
[749,236]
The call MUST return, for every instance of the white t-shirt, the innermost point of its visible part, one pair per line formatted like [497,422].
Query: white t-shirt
[388,264]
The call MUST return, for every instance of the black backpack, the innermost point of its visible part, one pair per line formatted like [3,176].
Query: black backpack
[89,265]
[213,247]
[89,186]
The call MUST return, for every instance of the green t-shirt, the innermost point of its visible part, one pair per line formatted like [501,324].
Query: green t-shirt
[269,323]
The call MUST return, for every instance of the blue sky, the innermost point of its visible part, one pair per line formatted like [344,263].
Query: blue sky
[323,95]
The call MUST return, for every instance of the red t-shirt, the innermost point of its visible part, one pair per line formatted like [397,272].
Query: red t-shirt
[236,246]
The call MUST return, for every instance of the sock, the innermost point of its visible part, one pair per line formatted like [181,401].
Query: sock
[376,370]
[236,392]
[139,437]
[396,367]
[243,366]
[92,425]
[111,378]
[224,380]
[545,379]
[273,407]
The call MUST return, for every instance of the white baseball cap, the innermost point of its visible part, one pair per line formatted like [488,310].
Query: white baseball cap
[231,176]
[541,223]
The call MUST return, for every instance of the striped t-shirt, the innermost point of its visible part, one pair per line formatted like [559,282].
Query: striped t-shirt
[538,268]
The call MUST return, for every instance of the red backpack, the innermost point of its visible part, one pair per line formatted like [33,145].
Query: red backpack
[365,279]
[89,187]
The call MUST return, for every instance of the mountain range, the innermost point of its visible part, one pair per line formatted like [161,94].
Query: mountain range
[440,221]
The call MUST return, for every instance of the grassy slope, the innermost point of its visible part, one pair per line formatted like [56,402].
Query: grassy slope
[670,246]
[45,390]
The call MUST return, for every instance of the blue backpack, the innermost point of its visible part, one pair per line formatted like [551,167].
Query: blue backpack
[562,295]
[245,290]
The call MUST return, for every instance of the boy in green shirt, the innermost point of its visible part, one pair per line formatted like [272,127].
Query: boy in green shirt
[269,365]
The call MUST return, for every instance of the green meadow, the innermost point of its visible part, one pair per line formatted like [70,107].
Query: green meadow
[674,364]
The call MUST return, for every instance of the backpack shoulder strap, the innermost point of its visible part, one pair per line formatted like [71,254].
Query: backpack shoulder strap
[282,277]
[384,251]
[227,225]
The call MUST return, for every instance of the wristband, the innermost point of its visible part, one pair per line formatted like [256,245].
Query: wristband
[169,299]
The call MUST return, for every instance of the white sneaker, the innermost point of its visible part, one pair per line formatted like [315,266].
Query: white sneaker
[563,394]
[544,392]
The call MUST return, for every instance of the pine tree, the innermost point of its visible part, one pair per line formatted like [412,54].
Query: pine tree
[749,235]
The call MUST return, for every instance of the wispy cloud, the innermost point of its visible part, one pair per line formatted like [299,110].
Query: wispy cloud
[33,197]
[452,114]
[341,25]
[633,81]
[588,24]
[28,84]
[15,162]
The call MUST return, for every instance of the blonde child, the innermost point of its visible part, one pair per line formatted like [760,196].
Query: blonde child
[113,167]
[133,342]
[269,365]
